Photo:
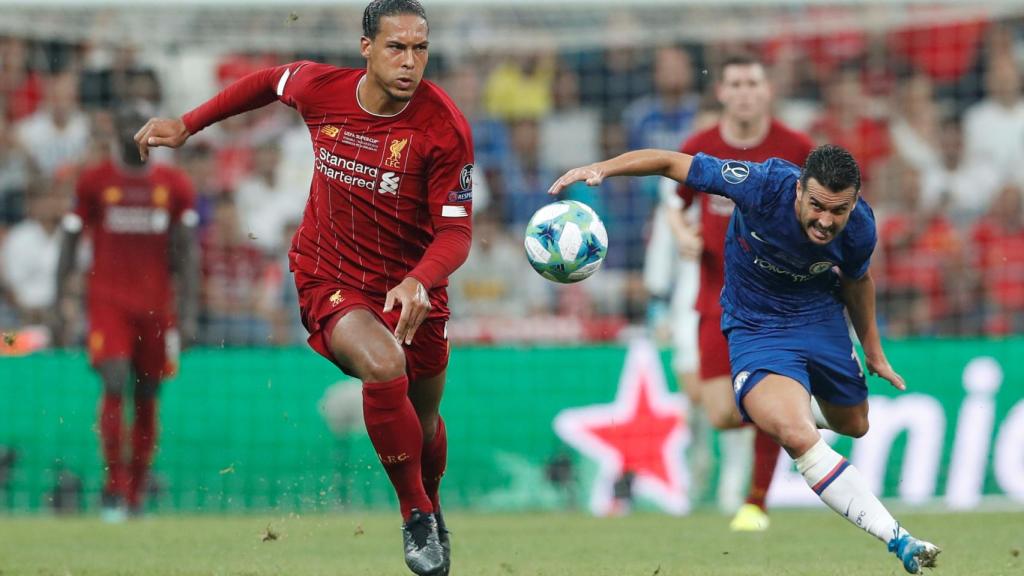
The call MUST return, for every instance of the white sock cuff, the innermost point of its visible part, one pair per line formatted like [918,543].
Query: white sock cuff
[815,454]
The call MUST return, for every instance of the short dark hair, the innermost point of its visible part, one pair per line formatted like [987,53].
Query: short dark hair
[382,8]
[738,58]
[833,167]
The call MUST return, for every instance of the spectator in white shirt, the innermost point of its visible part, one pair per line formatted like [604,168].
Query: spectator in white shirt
[58,133]
[994,129]
[29,254]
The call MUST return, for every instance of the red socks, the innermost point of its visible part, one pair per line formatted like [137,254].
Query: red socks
[110,442]
[766,455]
[143,442]
[435,460]
[395,432]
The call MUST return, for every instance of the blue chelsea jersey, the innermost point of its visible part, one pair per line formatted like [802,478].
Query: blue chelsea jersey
[774,275]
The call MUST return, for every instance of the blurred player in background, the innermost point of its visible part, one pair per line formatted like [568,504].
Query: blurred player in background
[797,253]
[141,222]
[746,131]
[387,221]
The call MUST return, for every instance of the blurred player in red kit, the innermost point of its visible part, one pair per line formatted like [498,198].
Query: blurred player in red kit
[142,286]
[387,221]
[746,131]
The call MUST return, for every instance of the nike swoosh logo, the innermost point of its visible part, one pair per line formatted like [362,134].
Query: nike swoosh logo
[758,238]
[850,503]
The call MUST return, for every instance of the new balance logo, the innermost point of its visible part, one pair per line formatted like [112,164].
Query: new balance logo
[389,183]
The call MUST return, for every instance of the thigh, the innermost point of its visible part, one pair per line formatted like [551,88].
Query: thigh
[155,350]
[110,333]
[780,406]
[363,346]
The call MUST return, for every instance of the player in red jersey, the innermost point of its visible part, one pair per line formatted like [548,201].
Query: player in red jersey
[141,222]
[388,220]
[746,131]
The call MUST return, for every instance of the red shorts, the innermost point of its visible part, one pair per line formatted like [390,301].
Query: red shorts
[713,348]
[148,339]
[323,304]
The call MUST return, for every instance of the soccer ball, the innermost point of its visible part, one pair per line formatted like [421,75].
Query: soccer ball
[566,241]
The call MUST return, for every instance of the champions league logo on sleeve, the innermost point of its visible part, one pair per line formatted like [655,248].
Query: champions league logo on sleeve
[466,177]
[735,172]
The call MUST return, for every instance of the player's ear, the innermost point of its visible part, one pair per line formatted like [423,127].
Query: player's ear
[364,46]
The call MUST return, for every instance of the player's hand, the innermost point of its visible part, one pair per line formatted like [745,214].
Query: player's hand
[170,132]
[415,304]
[592,174]
[880,367]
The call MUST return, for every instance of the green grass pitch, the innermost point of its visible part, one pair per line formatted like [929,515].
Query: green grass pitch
[800,542]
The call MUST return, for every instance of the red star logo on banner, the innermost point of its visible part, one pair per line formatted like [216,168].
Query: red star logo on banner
[642,432]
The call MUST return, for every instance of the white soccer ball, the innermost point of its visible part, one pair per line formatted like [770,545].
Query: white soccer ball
[566,241]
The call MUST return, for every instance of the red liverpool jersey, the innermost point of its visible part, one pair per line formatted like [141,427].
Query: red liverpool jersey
[781,142]
[128,214]
[391,196]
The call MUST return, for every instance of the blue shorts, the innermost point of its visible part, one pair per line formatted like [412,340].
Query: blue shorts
[820,356]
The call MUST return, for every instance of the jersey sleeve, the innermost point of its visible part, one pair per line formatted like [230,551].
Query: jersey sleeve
[742,182]
[450,199]
[291,83]
[685,193]
[857,259]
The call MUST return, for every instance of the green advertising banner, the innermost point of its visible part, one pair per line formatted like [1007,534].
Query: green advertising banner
[529,428]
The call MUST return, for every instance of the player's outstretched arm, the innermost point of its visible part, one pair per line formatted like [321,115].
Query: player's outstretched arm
[859,296]
[252,91]
[674,165]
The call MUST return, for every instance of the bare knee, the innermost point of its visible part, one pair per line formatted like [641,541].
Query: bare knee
[381,367]
[724,417]
[855,427]
[428,422]
[796,437]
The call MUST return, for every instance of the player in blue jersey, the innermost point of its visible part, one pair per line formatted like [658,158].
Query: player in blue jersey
[796,253]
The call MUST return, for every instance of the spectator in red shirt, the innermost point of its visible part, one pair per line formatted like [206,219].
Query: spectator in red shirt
[920,258]
[233,294]
[847,122]
[998,241]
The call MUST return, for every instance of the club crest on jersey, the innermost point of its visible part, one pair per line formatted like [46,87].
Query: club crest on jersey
[395,149]
[735,172]
[112,195]
[330,131]
[161,195]
[819,267]
[466,177]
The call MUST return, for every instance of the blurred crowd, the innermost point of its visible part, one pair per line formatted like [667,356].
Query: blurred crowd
[935,116]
